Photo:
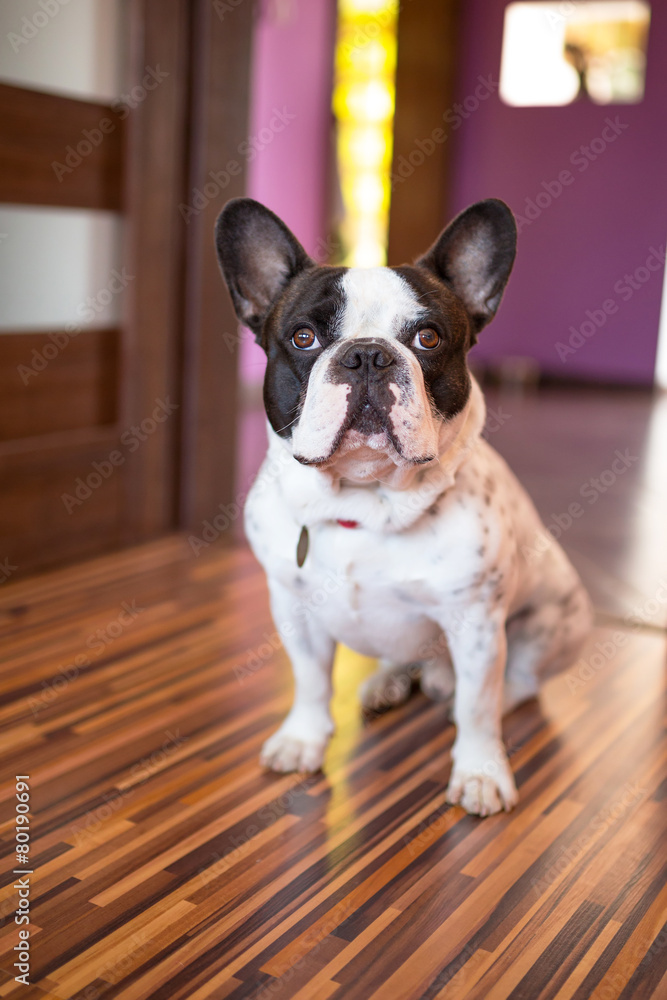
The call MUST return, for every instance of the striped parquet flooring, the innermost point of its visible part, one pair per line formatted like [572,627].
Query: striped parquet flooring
[166,864]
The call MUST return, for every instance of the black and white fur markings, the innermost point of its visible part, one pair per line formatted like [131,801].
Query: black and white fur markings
[369,396]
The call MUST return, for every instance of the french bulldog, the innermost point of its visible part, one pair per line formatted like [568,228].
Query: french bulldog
[379,492]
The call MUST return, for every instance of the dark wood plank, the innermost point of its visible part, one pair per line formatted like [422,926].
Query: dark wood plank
[37,528]
[54,381]
[428,44]
[157,144]
[220,109]
[60,151]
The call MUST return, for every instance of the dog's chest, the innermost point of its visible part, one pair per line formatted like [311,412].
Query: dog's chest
[376,595]
[383,595]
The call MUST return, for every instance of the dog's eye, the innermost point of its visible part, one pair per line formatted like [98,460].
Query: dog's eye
[426,339]
[305,339]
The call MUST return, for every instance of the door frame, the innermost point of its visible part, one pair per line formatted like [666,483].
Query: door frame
[168,355]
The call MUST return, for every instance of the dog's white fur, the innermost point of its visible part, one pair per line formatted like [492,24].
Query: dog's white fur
[434,575]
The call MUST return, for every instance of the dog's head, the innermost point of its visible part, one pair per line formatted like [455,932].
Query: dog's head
[365,366]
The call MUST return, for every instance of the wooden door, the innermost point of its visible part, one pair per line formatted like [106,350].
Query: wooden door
[99,426]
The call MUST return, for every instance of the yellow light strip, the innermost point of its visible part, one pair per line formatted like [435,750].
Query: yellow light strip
[363,104]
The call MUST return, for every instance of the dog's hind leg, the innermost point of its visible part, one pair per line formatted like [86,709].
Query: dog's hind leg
[390,685]
[437,679]
[543,641]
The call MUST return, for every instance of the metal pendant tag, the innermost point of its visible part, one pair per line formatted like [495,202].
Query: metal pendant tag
[302,547]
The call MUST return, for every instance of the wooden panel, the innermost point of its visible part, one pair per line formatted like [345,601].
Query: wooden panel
[52,382]
[37,527]
[157,139]
[59,151]
[428,44]
[167,863]
[220,99]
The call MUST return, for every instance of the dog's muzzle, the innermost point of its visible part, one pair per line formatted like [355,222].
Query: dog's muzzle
[372,388]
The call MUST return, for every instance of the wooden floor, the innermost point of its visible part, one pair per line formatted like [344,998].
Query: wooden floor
[166,864]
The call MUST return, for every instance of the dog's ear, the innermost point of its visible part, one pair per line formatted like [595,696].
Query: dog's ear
[258,256]
[474,256]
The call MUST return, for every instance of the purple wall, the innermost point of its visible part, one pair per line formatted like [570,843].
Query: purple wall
[601,227]
[292,72]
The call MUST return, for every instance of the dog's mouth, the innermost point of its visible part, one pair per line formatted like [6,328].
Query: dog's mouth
[367,436]
[381,408]
[372,427]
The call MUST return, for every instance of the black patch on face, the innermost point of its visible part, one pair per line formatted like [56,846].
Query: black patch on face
[314,299]
[445,371]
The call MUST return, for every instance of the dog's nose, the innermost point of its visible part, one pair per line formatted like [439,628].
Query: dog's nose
[367,355]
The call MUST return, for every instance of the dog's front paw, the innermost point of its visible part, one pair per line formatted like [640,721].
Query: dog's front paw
[483,783]
[284,752]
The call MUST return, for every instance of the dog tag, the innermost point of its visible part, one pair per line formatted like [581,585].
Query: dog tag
[302,547]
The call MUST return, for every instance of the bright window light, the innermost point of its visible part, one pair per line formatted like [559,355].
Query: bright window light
[556,53]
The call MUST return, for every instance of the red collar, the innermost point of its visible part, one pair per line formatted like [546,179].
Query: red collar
[348,524]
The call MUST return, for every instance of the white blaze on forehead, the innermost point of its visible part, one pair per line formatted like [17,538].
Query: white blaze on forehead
[377,303]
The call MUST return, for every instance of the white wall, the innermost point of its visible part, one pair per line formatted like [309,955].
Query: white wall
[71,47]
